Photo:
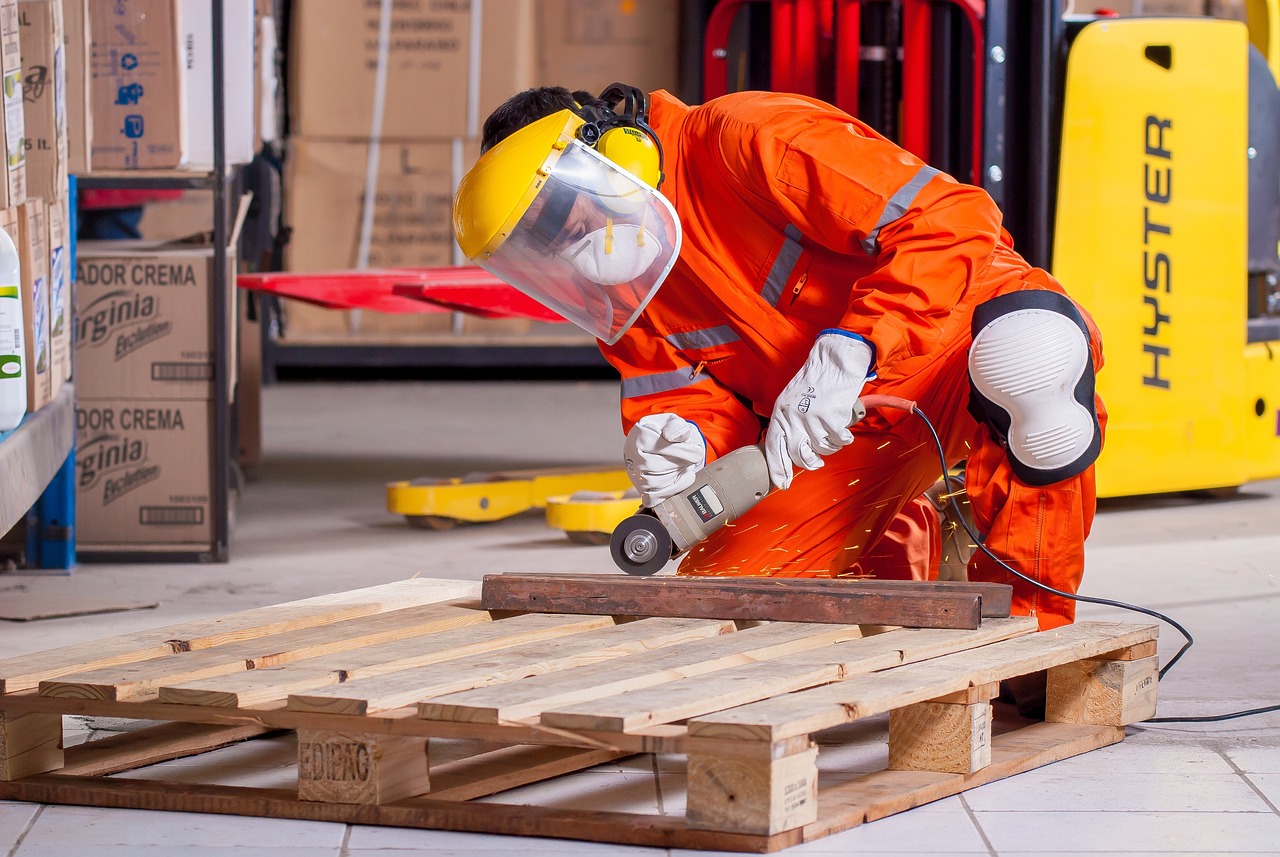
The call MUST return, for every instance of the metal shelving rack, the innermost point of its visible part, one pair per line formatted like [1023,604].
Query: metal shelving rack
[216,180]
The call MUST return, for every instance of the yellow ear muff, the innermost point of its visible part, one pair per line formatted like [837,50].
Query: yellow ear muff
[634,151]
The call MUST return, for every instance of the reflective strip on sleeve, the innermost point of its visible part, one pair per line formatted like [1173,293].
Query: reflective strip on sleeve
[897,206]
[782,267]
[705,338]
[647,385]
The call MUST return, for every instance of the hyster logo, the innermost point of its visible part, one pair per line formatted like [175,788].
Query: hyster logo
[112,311]
[1157,232]
[105,453]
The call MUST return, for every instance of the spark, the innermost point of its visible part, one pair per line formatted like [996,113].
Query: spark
[783,527]
[883,445]
[855,482]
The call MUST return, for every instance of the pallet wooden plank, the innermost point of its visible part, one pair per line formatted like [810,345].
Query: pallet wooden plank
[996,597]
[931,609]
[153,744]
[812,710]
[410,686]
[132,681]
[277,682]
[403,721]
[27,671]
[740,685]
[510,767]
[533,695]
[423,813]
[29,744]
[884,793]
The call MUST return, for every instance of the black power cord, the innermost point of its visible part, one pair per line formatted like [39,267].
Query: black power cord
[977,540]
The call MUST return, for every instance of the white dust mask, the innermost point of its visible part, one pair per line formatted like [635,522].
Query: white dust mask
[615,254]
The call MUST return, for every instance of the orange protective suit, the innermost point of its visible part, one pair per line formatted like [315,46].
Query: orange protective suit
[797,218]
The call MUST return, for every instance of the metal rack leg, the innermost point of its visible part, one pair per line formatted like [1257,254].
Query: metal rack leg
[55,516]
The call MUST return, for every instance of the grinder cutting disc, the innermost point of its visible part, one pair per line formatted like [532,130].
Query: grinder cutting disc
[640,545]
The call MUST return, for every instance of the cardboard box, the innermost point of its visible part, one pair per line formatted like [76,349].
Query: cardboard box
[266,90]
[20,222]
[136,85]
[44,82]
[145,320]
[14,190]
[60,322]
[589,44]
[143,474]
[238,82]
[79,40]
[410,224]
[152,83]
[339,51]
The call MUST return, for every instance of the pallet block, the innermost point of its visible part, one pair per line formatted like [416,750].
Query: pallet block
[369,680]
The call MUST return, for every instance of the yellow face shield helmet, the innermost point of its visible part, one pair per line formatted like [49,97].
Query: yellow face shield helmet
[549,214]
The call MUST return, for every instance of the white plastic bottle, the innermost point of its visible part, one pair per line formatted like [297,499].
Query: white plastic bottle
[13,379]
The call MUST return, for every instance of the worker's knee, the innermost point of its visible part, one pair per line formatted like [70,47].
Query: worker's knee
[1032,382]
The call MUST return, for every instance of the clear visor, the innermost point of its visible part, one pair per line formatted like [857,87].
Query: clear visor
[594,245]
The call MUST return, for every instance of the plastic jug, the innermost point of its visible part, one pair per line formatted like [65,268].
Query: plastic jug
[13,379]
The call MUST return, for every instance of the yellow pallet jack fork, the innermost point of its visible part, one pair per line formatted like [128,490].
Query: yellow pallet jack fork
[442,503]
[590,517]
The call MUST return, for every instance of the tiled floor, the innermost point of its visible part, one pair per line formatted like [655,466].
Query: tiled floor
[312,520]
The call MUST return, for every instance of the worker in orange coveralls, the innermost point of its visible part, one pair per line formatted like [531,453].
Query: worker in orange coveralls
[804,260]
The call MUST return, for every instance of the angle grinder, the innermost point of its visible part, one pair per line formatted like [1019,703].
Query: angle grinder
[721,492]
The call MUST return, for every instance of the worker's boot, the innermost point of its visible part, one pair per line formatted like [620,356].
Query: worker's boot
[957,545]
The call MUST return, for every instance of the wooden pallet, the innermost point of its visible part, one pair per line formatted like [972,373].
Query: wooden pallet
[368,678]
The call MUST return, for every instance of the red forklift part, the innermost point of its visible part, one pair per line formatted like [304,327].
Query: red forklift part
[403,290]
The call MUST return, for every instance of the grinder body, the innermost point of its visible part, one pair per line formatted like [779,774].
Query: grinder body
[721,492]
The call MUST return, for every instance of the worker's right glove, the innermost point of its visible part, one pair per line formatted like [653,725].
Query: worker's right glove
[663,452]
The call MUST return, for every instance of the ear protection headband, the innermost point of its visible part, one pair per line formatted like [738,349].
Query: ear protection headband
[621,132]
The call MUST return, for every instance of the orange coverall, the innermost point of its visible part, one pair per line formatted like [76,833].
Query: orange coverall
[797,218]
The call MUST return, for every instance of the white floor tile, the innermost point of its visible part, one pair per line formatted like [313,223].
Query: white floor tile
[14,819]
[1256,760]
[1198,853]
[911,832]
[1052,790]
[1153,832]
[1139,754]
[1269,785]
[364,839]
[93,827]
[45,849]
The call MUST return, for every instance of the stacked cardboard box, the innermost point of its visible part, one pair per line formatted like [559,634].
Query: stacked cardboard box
[145,355]
[42,37]
[151,83]
[386,107]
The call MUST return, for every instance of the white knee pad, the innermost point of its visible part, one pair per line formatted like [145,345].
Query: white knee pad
[1032,381]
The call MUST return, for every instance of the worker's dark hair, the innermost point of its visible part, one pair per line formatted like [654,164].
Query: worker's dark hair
[529,106]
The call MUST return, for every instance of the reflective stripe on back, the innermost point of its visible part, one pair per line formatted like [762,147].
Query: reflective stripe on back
[662,382]
[783,265]
[898,205]
[704,338]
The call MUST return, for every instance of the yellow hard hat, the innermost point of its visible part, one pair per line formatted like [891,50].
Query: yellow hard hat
[497,191]
[547,212]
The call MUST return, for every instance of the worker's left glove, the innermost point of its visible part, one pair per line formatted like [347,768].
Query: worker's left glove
[812,414]
[663,453]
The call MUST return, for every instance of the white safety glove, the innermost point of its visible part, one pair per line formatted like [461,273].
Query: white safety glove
[812,414]
[662,453]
